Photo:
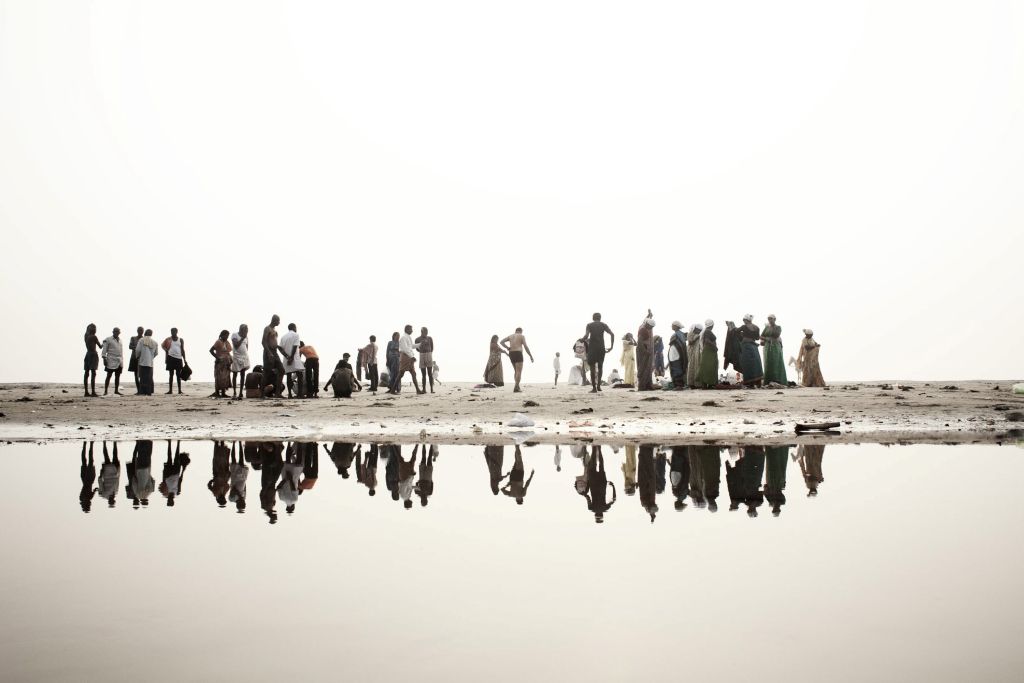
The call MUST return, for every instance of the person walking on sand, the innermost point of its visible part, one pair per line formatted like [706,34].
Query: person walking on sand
[493,373]
[645,354]
[145,353]
[133,361]
[558,366]
[774,362]
[370,358]
[239,361]
[407,361]
[271,361]
[221,352]
[92,359]
[594,340]
[628,359]
[113,360]
[425,345]
[807,361]
[174,348]
[677,359]
[515,344]
[293,366]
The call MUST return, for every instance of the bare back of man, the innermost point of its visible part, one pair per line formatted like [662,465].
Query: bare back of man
[515,344]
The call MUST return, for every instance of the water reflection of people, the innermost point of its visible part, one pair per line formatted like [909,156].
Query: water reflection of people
[596,487]
[629,471]
[341,454]
[238,473]
[810,457]
[495,457]
[310,465]
[220,484]
[679,476]
[291,477]
[516,487]
[406,475]
[366,472]
[425,484]
[140,474]
[696,477]
[660,463]
[744,480]
[647,479]
[110,476]
[776,459]
[174,473]
[88,474]
[271,464]
[710,462]
[393,453]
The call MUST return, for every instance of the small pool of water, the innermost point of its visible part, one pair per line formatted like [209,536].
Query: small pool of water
[210,561]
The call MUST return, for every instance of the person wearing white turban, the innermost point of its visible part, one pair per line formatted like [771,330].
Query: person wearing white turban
[807,361]
[750,358]
[693,354]
[774,362]
[645,354]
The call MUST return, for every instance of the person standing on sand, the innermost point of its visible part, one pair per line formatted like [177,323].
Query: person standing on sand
[659,356]
[293,367]
[579,350]
[594,339]
[707,373]
[493,373]
[733,347]
[645,354]
[92,359]
[750,359]
[628,360]
[146,351]
[774,363]
[407,361]
[133,361]
[392,357]
[370,358]
[515,344]
[677,355]
[113,360]
[425,345]
[312,362]
[174,347]
[239,360]
[693,354]
[558,366]
[221,352]
[807,361]
[271,361]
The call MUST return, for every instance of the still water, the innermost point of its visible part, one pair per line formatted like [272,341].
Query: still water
[218,561]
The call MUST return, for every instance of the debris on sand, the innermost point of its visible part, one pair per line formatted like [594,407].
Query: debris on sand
[652,398]
[23,399]
[582,411]
[951,387]
[380,404]
[820,426]
[531,404]
[1015,416]
[711,404]
[576,425]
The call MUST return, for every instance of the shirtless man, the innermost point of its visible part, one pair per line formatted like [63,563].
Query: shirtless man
[515,344]
[594,339]
[92,359]
[271,361]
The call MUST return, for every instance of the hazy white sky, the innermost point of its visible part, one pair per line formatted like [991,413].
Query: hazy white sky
[854,167]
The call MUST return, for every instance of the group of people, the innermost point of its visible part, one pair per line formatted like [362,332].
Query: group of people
[754,474]
[288,361]
[693,360]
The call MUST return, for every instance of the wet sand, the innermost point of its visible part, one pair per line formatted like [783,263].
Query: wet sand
[972,412]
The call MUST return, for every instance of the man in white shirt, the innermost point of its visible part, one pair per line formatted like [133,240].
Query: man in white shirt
[407,360]
[294,368]
[113,360]
[145,351]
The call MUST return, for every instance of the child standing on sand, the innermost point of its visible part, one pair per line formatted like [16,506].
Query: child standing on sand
[558,366]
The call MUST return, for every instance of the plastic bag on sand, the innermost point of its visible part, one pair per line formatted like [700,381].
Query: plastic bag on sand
[520,420]
[1018,388]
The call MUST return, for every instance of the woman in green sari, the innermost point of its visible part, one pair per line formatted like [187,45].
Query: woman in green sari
[707,373]
[774,365]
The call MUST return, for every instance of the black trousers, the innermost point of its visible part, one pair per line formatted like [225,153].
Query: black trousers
[312,376]
[373,376]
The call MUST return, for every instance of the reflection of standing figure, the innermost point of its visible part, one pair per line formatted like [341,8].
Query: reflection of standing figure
[776,458]
[494,456]
[142,483]
[629,471]
[696,477]
[88,474]
[646,480]
[291,475]
[516,486]
[393,453]
[679,476]
[366,473]
[110,476]
[596,492]
[660,463]
[425,485]
[310,465]
[341,455]
[271,463]
[752,469]
[238,473]
[174,473]
[810,457]
[711,471]
[406,475]
[221,482]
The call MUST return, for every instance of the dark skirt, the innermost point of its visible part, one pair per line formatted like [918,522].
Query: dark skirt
[133,363]
[92,361]
[174,364]
[750,362]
